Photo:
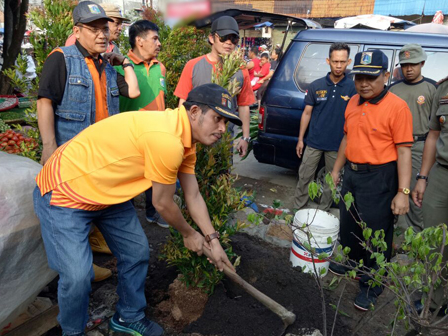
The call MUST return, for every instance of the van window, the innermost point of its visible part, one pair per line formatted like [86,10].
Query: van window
[435,68]
[313,63]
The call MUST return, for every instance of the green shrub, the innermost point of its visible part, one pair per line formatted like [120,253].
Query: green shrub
[216,187]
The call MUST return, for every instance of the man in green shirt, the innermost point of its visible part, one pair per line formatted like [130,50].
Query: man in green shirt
[145,44]
[418,92]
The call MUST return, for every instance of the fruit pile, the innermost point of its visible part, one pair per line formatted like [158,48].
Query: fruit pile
[11,142]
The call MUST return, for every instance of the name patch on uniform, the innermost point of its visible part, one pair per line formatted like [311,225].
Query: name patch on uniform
[444,100]
[321,94]
[346,98]
[366,57]
[421,100]
[94,9]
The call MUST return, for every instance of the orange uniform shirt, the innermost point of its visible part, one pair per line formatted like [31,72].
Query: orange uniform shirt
[116,159]
[375,128]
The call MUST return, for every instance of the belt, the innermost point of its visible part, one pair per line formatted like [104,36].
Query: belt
[443,166]
[420,137]
[367,167]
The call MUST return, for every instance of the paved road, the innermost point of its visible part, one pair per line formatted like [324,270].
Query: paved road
[250,167]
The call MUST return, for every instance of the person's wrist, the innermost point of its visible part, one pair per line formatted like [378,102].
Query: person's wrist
[187,232]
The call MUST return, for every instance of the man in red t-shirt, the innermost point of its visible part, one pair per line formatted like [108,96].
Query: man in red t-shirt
[262,72]
[254,62]
[224,37]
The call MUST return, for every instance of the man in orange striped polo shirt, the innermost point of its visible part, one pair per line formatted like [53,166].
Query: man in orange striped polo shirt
[94,176]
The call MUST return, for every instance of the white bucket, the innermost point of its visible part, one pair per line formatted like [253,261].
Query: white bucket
[321,226]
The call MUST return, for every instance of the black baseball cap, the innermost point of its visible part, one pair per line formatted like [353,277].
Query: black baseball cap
[89,11]
[371,62]
[217,98]
[225,25]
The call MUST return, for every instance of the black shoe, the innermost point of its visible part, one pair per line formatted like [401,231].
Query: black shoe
[341,270]
[365,301]
[338,269]
[418,305]
[419,308]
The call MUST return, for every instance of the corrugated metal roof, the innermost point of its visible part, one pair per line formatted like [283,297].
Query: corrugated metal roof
[407,7]
[338,8]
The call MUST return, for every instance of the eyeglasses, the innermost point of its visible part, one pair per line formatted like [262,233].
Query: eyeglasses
[232,37]
[96,30]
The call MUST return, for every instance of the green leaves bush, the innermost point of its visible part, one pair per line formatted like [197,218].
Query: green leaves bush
[216,187]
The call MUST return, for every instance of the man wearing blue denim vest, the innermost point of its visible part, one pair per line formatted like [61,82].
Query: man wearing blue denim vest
[78,87]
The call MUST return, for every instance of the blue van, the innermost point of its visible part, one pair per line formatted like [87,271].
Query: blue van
[305,61]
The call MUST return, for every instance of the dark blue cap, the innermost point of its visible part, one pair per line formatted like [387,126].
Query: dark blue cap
[371,62]
[217,98]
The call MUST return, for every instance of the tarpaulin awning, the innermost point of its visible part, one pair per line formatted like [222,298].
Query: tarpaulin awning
[414,7]
[372,21]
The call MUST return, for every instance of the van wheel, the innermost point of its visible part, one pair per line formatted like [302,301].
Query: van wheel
[320,179]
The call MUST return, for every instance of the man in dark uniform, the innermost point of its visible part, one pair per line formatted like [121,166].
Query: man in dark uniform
[418,92]
[325,105]
[376,152]
[430,192]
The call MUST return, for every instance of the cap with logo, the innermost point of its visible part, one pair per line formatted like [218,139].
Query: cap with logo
[217,98]
[225,25]
[88,11]
[113,11]
[412,53]
[371,63]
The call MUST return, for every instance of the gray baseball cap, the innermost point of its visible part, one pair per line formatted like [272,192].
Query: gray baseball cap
[412,54]
[89,11]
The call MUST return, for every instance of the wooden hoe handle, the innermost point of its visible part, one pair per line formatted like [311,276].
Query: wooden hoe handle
[287,317]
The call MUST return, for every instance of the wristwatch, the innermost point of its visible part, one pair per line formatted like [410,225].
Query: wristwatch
[127,65]
[246,139]
[210,237]
[405,191]
[421,177]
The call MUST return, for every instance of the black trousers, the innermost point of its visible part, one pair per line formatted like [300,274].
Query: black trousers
[373,191]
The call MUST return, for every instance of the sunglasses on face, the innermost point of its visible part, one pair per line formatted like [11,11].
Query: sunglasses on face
[232,37]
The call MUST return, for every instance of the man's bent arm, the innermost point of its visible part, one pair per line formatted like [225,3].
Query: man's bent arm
[131,80]
[45,120]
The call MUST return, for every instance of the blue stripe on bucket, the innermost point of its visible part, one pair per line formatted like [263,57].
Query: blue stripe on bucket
[318,250]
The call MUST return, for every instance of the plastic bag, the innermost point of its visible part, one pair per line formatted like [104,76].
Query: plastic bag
[24,270]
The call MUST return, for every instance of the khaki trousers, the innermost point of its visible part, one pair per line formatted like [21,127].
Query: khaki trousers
[435,211]
[414,217]
[307,171]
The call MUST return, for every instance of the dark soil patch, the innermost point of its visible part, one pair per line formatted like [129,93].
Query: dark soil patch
[230,311]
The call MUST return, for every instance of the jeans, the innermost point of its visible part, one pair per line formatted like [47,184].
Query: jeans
[65,233]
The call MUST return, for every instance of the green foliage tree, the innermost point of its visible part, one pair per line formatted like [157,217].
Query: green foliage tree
[54,23]
[15,25]
[222,199]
